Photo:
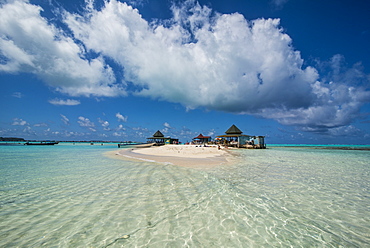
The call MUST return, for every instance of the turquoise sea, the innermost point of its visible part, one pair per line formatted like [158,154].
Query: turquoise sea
[83,196]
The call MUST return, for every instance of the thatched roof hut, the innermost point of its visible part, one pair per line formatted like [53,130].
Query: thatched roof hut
[233,130]
[235,137]
[202,139]
[159,139]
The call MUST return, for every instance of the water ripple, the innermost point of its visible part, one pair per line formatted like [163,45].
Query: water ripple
[97,201]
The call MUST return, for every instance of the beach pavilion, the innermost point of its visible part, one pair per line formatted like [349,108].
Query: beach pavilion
[202,139]
[235,137]
[159,139]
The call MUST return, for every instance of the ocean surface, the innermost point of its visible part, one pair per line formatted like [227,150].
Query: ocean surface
[84,196]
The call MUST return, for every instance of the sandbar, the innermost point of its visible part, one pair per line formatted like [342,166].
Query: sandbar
[182,155]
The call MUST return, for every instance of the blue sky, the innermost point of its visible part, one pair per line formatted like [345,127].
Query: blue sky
[294,71]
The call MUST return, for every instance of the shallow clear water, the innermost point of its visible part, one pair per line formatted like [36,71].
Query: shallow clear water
[75,196]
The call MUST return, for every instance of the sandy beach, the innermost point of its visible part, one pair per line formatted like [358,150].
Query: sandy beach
[182,155]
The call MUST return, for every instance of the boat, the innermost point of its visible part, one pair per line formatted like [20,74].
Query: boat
[42,143]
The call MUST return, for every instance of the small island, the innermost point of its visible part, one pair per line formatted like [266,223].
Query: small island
[202,151]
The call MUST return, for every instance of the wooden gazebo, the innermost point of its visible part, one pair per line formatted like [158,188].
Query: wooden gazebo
[202,139]
[159,139]
[235,137]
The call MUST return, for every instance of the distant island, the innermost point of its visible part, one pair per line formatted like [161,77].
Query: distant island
[16,139]
[11,139]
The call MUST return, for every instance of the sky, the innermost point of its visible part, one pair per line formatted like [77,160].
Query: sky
[295,71]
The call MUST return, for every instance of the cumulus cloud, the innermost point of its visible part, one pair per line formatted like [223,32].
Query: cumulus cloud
[121,117]
[30,43]
[337,106]
[230,64]
[339,97]
[166,128]
[28,130]
[66,133]
[120,128]
[141,132]
[19,122]
[67,102]
[218,61]
[119,134]
[85,122]
[197,58]
[104,124]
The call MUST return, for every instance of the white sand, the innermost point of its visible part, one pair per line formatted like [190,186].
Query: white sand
[183,155]
[185,151]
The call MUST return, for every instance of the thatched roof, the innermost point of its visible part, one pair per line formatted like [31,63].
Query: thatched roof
[200,136]
[158,134]
[233,130]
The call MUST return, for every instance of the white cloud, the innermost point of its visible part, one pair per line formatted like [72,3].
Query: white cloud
[140,132]
[32,44]
[67,102]
[121,117]
[85,122]
[337,103]
[119,134]
[19,122]
[104,124]
[64,119]
[198,58]
[167,125]
[67,134]
[120,127]
[40,125]
[166,128]
[231,65]
[220,62]
[211,133]
[345,131]
[28,130]
[17,94]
